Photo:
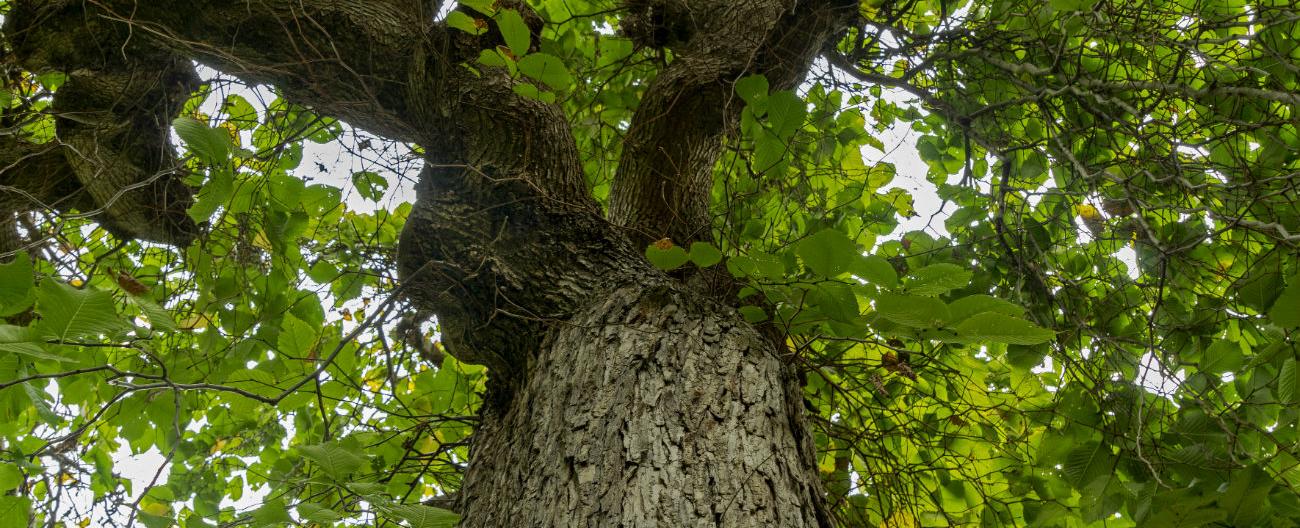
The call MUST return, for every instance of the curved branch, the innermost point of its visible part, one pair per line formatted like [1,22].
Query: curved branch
[112,117]
[661,188]
[350,59]
[504,225]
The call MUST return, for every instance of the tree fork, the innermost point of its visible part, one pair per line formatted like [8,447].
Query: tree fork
[647,403]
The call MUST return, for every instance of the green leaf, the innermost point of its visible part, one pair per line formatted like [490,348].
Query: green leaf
[703,254]
[1259,292]
[462,21]
[785,112]
[993,327]
[297,338]
[216,192]
[1073,5]
[159,318]
[666,259]
[335,460]
[149,520]
[421,516]
[514,31]
[370,185]
[970,305]
[828,252]
[753,90]
[272,513]
[318,513]
[913,311]
[68,313]
[546,68]
[752,314]
[15,510]
[52,80]
[286,191]
[17,285]
[39,399]
[877,270]
[239,112]
[1288,382]
[31,350]
[11,477]
[937,279]
[17,334]
[1088,462]
[1025,357]
[1286,308]
[532,92]
[492,57]
[484,7]
[1245,497]
[210,144]
[369,490]
[835,301]
[1222,356]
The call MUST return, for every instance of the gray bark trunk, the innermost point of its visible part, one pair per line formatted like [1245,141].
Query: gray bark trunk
[618,396]
[650,407]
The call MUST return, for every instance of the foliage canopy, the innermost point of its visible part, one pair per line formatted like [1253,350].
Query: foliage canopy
[1005,368]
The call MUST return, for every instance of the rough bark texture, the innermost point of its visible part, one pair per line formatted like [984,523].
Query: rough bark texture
[113,116]
[650,407]
[618,396]
[663,181]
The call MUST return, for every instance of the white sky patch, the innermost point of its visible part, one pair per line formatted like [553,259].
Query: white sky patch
[1153,376]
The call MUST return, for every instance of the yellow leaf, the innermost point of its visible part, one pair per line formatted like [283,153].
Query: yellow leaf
[1087,212]
[826,465]
[195,321]
[261,241]
[900,519]
[76,282]
[427,444]
[84,522]
[157,509]
[233,132]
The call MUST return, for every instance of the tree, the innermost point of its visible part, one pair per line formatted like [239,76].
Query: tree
[659,255]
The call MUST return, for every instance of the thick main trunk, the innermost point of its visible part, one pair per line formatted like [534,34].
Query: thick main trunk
[619,397]
[650,407]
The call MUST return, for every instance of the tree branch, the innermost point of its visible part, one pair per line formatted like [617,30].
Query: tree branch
[661,188]
[112,117]
[504,227]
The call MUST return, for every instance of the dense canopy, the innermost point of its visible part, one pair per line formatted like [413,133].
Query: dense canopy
[210,254]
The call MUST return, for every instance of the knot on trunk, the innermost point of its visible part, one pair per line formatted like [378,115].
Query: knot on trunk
[500,263]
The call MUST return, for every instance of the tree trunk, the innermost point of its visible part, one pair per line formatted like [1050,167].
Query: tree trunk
[650,407]
[618,396]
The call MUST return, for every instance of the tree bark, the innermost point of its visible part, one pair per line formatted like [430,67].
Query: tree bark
[650,407]
[662,188]
[618,396]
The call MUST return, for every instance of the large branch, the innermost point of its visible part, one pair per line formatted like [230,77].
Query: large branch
[349,59]
[112,116]
[33,177]
[662,185]
[504,238]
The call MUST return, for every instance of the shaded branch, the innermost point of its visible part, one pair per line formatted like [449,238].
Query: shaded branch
[112,117]
[662,186]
